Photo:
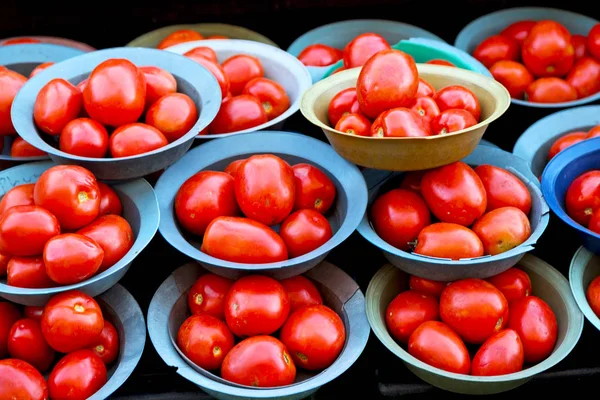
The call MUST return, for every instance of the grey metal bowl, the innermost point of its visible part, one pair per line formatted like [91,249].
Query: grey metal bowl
[442,269]
[168,309]
[192,79]
[140,209]
[344,216]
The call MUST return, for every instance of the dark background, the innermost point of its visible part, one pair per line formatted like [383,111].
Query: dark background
[377,373]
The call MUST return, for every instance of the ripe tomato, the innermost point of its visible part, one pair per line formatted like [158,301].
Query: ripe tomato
[502,229]
[424,89]
[207,295]
[71,321]
[84,137]
[218,72]
[579,45]
[232,168]
[454,193]
[514,283]
[109,201]
[340,69]
[407,311]
[319,55]
[22,40]
[474,308]
[271,94]
[107,346]
[26,342]
[133,139]
[28,272]
[21,195]
[550,90]
[205,340]
[501,354]
[400,122]
[458,97]
[304,231]
[514,76]
[362,48]
[503,188]
[592,133]
[10,84]
[426,107]
[547,50]
[592,294]
[114,236]
[388,80]
[256,305]
[427,286]
[77,375]
[32,222]
[56,104]
[241,69]
[452,120]
[585,77]
[399,216]
[412,181]
[434,343]
[72,258]
[582,199]
[69,192]
[239,113]
[440,62]
[265,188]
[9,314]
[593,41]
[301,292]
[446,240]
[159,82]
[173,114]
[4,259]
[178,37]
[33,312]
[518,31]
[354,124]
[20,380]
[202,51]
[40,68]
[345,102]
[536,325]
[496,48]
[314,189]
[21,148]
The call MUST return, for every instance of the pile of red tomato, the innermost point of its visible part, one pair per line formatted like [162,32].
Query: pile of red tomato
[61,230]
[268,192]
[391,100]
[253,308]
[583,200]
[490,200]
[540,61]
[593,295]
[71,324]
[570,139]
[183,36]
[510,327]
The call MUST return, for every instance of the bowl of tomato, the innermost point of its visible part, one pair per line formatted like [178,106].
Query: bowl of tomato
[75,128]
[583,278]
[191,300]
[59,206]
[467,349]
[48,40]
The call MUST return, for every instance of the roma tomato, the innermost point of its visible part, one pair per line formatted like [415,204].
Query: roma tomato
[319,55]
[84,137]
[178,37]
[159,82]
[388,80]
[241,69]
[26,342]
[550,90]
[304,231]
[424,89]
[20,380]
[452,120]
[40,68]
[565,141]
[496,48]
[207,295]
[585,77]
[426,107]
[4,259]
[400,122]
[502,229]
[56,104]
[202,51]
[535,323]
[399,216]
[427,286]
[593,41]
[362,48]
[412,181]
[33,312]
[407,311]
[256,305]
[21,148]
[107,346]
[345,102]
[592,295]
[434,343]
[547,50]
[271,94]
[301,292]
[458,97]
[501,354]
[218,72]
[71,321]
[243,240]
[72,258]
[592,133]
[445,240]
[114,236]
[518,31]
[109,201]
[28,272]
[232,168]
[474,308]
[503,189]
[354,124]
[35,223]
[9,314]
[582,199]
[21,195]
[69,192]
[579,45]
[133,139]
[10,84]
[205,340]
[173,114]
[440,62]
[514,76]
[454,193]
[314,189]
[238,113]
[77,375]
[514,283]
[260,361]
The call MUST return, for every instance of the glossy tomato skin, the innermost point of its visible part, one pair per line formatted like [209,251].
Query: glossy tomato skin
[582,198]
[26,342]
[514,283]
[9,314]
[178,37]
[436,344]
[412,181]
[159,82]
[304,231]
[109,201]
[345,102]
[238,113]
[133,139]
[35,223]
[256,305]
[378,91]
[501,354]
[217,70]
[426,108]
[400,122]
[519,30]
[28,272]
[301,292]
[21,148]
[241,69]
[407,311]
[205,340]
[503,189]
[10,84]
[232,168]
[21,195]
[20,380]
[33,312]
[547,50]
[71,258]
[57,103]
[550,90]
[320,55]
[447,240]
[502,229]
[173,114]
[452,120]
[593,41]
[314,189]
[592,295]
[579,45]
[114,236]
[399,216]
[354,124]
[585,77]
[458,97]
[202,51]
[271,94]
[84,137]
[207,295]
[427,286]
[77,375]
[424,89]
[362,48]
[107,346]
[512,75]
[496,48]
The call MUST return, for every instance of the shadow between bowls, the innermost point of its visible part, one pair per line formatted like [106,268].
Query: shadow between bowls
[278,65]
[344,215]
[192,79]
[442,269]
[54,41]
[168,310]
[585,267]
[140,209]
[547,283]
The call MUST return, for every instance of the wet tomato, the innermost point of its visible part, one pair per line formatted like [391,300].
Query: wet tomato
[178,37]
[26,342]
[72,258]
[424,89]
[107,346]
[519,30]
[565,141]
[20,380]
[40,68]
[271,94]
[452,120]
[28,272]
[496,48]
[593,41]
[304,231]
[207,295]
[173,114]
[427,286]
[345,102]
[56,104]
[436,344]
[502,229]
[218,72]
[84,137]
[205,340]
[133,139]
[426,107]
[320,55]
[241,69]
[314,189]
[501,354]
[202,51]
[33,312]
[114,236]
[547,50]
[21,195]
[458,97]
[400,122]
[159,82]
[445,240]
[301,292]
[10,84]
[354,124]
[109,201]
[514,76]
[9,314]
[585,77]
[550,90]
[362,48]
[582,199]
[239,113]
[503,189]
[514,283]
[407,311]
[77,375]
[21,148]
[36,224]
[440,62]
[232,168]
[592,295]
[579,45]
[412,181]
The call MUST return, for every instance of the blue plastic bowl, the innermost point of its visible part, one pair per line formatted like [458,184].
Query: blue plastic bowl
[339,34]
[492,24]
[138,199]
[560,172]
[442,269]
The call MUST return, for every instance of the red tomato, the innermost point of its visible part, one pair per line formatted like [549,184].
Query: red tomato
[28,272]
[550,90]
[133,139]
[407,311]
[107,346]
[207,295]
[440,62]
[536,325]
[400,122]
[32,222]
[458,97]
[159,82]
[452,120]
[547,50]
[232,168]
[205,340]
[514,283]
[20,380]
[84,137]
[71,321]
[398,216]
[173,114]
[582,199]
[271,94]
[434,343]
[218,72]
[454,193]
[502,229]
[496,48]
[10,83]
[579,45]
[202,51]
[446,240]
[56,104]
[427,286]
[178,37]
[26,342]
[21,148]
[241,69]
[426,107]
[503,188]
[388,80]
[9,314]
[301,292]
[424,89]
[4,259]
[23,40]
[412,181]
[304,231]
[33,312]
[592,294]
[594,132]
[265,188]
[69,192]
[518,31]
[114,236]
[109,201]
[514,76]
[314,336]
[594,224]
[585,77]
[319,55]
[256,305]
[593,41]
[260,361]
[239,113]
[40,68]
[501,354]
[77,375]
[354,124]
[362,48]
[345,102]
[81,86]
[72,258]
[21,195]
[314,189]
